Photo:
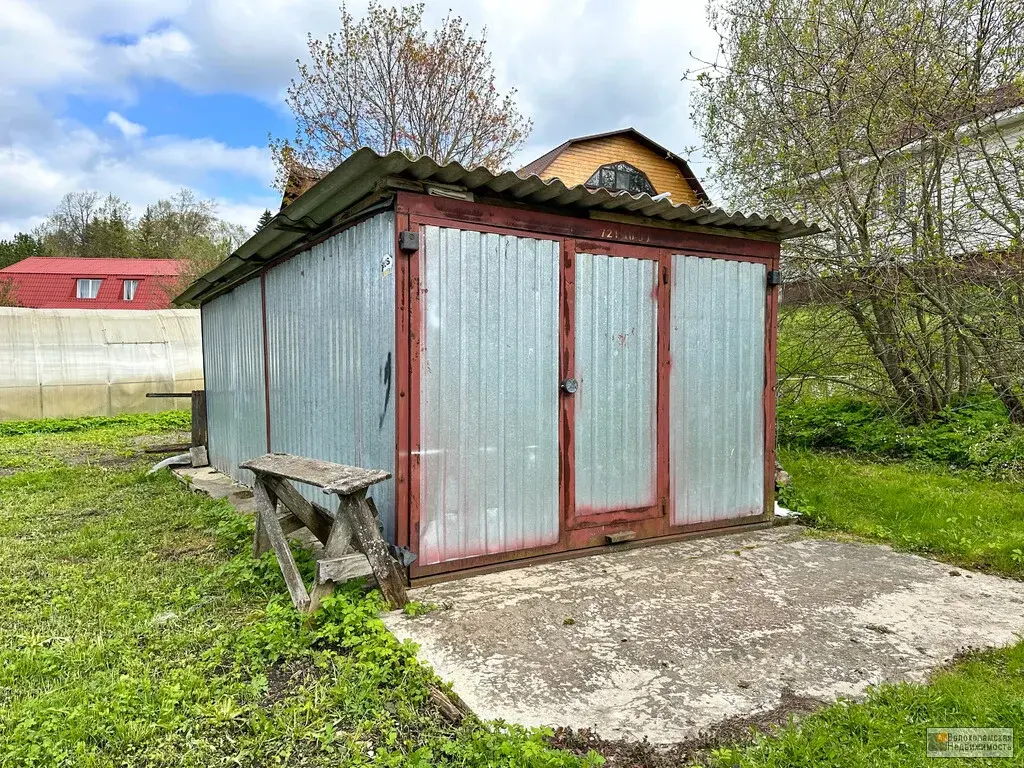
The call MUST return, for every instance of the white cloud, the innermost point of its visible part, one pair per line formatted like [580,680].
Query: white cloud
[200,155]
[127,128]
[167,53]
[33,177]
[623,65]
[580,66]
[35,51]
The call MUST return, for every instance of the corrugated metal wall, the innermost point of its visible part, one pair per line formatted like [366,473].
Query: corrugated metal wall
[233,359]
[489,413]
[331,334]
[616,364]
[717,385]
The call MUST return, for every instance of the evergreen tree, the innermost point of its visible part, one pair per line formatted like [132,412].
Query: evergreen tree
[264,220]
[21,246]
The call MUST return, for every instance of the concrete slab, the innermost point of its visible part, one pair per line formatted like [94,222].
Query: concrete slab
[218,486]
[667,641]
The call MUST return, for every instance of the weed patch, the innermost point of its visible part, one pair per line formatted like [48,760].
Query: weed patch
[137,629]
[976,435]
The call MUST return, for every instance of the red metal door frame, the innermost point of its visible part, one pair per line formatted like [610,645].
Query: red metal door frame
[622,518]
[413,211]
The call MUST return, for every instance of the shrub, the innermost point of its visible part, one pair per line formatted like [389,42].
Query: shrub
[155,422]
[975,435]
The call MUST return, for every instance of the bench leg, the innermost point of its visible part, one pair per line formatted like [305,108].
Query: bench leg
[364,525]
[336,546]
[272,526]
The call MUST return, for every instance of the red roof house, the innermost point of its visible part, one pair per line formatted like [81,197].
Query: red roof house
[58,282]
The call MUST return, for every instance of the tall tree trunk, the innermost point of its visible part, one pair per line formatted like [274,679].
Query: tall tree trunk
[905,385]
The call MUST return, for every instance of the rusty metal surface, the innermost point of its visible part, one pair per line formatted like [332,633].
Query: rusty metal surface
[233,361]
[616,364]
[359,175]
[717,388]
[489,395]
[331,333]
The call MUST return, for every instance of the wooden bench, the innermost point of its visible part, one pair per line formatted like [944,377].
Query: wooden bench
[353,527]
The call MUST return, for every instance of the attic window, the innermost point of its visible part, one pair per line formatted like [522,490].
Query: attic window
[621,177]
[87,288]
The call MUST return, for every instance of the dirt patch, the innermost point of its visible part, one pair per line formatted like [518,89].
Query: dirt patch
[626,753]
[188,549]
[99,458]
[8,471]
[154,443]
[117,462]
[285,677]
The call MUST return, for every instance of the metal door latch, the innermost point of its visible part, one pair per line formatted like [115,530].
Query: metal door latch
[569,386]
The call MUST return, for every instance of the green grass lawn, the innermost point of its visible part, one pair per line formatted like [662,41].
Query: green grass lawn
[136,629]
[958,517]
[888,729]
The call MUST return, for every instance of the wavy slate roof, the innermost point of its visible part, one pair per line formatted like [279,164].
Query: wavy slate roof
[359,174]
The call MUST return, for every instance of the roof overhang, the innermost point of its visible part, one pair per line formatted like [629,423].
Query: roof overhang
[365,174]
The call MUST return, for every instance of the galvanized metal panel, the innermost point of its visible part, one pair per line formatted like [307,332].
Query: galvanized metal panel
[489,395]
[717,386]
[235,395]
[331,332]
[616,427]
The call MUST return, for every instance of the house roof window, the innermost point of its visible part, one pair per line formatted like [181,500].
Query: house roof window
[130,287]
[88,288]
[621,177]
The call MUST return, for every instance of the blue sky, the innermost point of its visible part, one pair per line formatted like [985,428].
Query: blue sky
[141,98]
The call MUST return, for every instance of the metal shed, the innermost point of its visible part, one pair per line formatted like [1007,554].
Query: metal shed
[543,369]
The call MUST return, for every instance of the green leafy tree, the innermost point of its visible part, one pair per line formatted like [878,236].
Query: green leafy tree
[264,220]
[64,231]
[183,227]
[877,120]
[110,233]
[168,224]
[19,247]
